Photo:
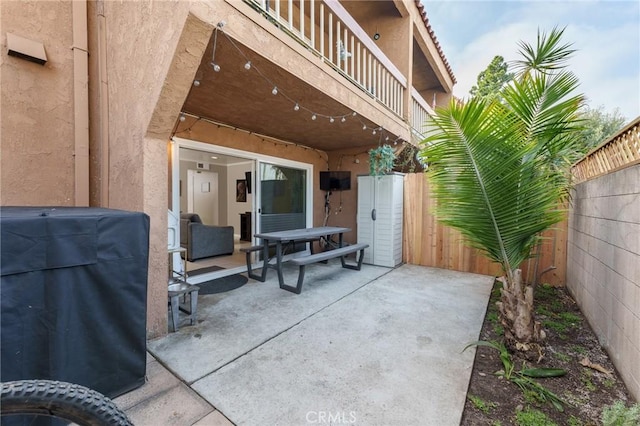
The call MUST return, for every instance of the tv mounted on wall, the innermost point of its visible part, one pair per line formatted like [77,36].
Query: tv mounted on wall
[335,181]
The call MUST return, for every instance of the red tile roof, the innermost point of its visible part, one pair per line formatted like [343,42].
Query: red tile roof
[423,13]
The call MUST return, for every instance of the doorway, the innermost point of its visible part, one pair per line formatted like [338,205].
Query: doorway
[251,189]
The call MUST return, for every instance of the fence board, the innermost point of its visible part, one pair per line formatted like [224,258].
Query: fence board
[429,243]
[619,151]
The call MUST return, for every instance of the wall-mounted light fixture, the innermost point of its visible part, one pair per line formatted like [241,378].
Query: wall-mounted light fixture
[376,36]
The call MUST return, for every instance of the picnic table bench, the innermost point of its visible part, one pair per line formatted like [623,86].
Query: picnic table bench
[279,238]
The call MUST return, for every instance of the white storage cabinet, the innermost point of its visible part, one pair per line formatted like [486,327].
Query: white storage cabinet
[380,200]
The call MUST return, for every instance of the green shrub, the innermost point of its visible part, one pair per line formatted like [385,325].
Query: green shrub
[619,415]
[533,417]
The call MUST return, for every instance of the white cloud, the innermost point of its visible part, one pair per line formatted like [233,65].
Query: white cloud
[606,36]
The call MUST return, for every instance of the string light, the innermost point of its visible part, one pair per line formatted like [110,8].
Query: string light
[275,91]
[196,83]
[182,117]
[215,66]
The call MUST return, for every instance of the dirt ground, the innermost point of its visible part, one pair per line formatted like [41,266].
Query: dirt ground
[570,343]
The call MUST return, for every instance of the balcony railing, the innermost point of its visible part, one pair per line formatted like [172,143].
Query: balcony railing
[420,112]
[327,29]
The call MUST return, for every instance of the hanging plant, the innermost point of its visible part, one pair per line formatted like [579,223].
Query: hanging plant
[381,160]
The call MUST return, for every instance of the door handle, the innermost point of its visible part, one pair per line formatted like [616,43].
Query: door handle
[373,214]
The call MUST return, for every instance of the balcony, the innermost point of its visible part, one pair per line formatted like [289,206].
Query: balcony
[327,29]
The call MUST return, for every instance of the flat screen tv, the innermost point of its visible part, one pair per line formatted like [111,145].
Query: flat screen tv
[335,181]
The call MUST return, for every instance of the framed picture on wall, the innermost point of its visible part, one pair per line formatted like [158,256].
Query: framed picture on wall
[241,191]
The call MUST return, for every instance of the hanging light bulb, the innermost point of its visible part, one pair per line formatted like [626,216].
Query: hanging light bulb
[215,66]
[196,83]
[364,127]
[374,132]
[313,117]
[354,113]
[247,66]
[274,91]
[343,119]
[296,107]
[331,120]
[386,138]
[182,117]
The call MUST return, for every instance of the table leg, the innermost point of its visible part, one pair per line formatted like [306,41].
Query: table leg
[265,259]
[340,240]
[279,262]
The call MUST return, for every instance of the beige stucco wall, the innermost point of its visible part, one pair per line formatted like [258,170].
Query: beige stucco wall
[602,265]
[142,60]
[37,140]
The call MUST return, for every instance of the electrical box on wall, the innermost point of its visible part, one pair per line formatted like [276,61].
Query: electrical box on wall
[202,166]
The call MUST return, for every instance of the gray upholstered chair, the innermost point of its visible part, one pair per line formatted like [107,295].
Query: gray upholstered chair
[202,240]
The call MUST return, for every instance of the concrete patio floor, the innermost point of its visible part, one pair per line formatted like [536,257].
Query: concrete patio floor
[378,346]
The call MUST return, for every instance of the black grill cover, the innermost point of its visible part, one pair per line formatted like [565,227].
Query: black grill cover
[73,296]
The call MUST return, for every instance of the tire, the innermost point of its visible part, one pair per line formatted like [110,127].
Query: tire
[61,400]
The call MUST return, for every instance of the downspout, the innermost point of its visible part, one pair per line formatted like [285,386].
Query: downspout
[103,105]
[80,103]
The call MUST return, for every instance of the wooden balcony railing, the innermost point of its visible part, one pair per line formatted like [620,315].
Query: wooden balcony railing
[620,151]
[327,29]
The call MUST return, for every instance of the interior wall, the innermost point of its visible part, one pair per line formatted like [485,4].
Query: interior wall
[234,207]
[223,191]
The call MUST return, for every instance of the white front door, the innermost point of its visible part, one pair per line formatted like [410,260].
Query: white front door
[202,195]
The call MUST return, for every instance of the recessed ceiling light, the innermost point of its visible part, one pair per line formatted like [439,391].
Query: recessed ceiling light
[214,157]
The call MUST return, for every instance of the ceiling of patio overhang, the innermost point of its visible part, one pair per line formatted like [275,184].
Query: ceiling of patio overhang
[243,99]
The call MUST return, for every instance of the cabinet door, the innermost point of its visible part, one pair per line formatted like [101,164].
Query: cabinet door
[366,200]
[384,232]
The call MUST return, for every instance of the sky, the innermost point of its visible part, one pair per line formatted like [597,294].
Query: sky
[606,35]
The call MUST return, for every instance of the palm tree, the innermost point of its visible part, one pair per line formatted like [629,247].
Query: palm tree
[500,170]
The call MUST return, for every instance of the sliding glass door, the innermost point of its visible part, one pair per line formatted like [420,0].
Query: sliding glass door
[283,197]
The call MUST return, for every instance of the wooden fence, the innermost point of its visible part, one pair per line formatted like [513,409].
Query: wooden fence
[429,243]
[620,151]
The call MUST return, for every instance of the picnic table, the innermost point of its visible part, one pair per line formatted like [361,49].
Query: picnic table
[277,239]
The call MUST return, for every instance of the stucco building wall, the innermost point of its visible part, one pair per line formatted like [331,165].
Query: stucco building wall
[142,59]
[602,265]
[37,143]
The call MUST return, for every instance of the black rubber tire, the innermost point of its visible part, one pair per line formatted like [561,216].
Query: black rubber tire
[61,400]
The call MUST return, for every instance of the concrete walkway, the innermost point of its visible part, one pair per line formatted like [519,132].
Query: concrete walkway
[374,347]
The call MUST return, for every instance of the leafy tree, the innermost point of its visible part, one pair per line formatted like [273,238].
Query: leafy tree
[492,80]
[598,126]
[500,169]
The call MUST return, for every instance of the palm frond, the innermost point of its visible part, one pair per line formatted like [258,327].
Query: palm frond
[482,186]
[548,55]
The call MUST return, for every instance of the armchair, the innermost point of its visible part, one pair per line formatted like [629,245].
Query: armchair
[202,240]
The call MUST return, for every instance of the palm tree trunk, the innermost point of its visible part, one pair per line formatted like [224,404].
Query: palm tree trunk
[522,332]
